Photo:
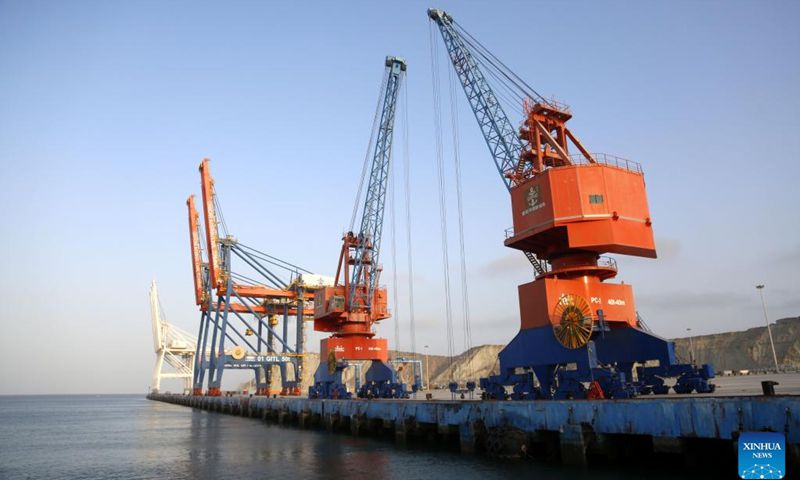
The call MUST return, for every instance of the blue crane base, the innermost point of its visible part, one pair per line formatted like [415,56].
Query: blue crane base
[380,381]
[608,359]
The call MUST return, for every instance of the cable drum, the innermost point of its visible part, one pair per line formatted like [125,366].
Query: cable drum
[572,321]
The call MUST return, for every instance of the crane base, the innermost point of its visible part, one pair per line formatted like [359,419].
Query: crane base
[537,366]
[381,382]
[329,385]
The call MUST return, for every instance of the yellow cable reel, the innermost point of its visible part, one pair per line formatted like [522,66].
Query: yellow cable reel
[331,362]
[573,321]
[238,352]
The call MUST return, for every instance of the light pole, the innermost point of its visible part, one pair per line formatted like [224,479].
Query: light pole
[427,369]
[760,289]
[691,347]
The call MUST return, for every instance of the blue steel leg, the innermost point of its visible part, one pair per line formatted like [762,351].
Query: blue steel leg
[282,366]
[199,356]
[215,381]
[221,357]
[328,385]
[212,360]
[300,347]
[380,381]
[607,359]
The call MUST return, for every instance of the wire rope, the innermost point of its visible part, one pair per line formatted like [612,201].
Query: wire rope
[393,232]
[220,215]
[442,194]
[467,328]
[407,181]
[501,67]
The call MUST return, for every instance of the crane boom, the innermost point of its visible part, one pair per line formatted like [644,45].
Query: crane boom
[212,233]
[500,135]
[365,269]
[197,260]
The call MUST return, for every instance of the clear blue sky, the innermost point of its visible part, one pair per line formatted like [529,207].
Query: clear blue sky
[106,109]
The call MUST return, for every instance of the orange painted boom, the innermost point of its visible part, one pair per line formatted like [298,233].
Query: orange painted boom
[255,291]
[278,309]
[194,240]
[212,233]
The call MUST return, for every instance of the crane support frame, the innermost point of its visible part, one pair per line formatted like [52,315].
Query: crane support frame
[242,321]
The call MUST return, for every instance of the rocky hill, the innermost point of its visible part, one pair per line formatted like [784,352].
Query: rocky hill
[747,349]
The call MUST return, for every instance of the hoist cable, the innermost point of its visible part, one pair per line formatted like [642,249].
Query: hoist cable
[457,161]
[407,181]
[393,230]
[220,216]
[484,52]
[442,200]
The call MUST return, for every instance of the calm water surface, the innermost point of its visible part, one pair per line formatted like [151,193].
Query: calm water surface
[129,437]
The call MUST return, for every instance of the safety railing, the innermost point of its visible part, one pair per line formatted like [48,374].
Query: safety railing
[610,160]
[607,262]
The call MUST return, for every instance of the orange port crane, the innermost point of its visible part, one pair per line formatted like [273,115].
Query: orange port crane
[579,335]
[355,302]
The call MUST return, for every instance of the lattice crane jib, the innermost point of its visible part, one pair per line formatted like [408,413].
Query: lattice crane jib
[499,133]
[365,268]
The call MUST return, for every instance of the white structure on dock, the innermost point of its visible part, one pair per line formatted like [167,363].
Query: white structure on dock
[172,345]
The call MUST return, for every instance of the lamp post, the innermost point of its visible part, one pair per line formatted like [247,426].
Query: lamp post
[427,369]
[760,289]
[691,347]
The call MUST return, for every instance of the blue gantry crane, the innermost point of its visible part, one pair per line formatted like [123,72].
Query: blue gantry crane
[245,318]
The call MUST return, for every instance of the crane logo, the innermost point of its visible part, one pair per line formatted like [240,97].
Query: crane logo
[533,199]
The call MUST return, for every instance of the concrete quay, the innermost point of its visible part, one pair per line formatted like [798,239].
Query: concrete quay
[683,429]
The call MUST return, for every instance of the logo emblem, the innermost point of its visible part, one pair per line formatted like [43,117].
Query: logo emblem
[533,199]
[533,196]
[762,455]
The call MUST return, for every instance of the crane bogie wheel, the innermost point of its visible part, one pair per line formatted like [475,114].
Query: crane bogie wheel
[238,352]
[573,321]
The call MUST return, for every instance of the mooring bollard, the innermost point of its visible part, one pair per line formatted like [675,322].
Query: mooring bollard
[768,387]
